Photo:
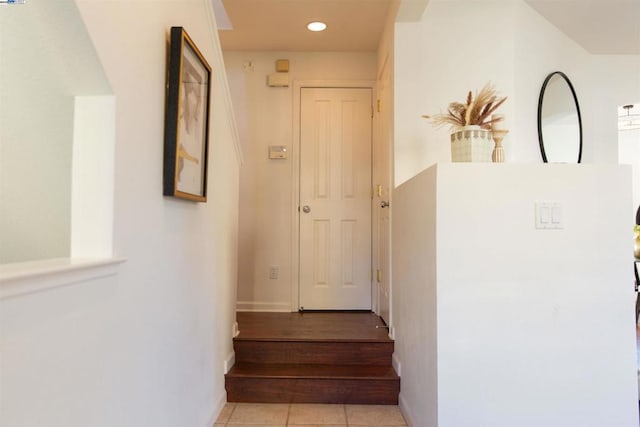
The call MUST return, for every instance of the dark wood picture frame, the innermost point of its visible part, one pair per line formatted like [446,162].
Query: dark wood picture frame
[186,133]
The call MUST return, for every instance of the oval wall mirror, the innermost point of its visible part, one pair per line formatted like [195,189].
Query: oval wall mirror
[559,121]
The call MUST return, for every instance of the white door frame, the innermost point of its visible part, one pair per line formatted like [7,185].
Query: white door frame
[295,178]
[383,113]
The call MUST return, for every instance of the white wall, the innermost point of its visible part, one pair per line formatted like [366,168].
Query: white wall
[602,83]
[414,308]
[460,45]
[540,48]
[265,117]
[146,347]
[457,46]
[531,327]
[617,83]
[46,58]
[629,154]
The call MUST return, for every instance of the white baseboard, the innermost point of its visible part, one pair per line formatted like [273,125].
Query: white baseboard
[235,331]
[395,362]
[280,307]
[217,408]
[229,362]
[406,413]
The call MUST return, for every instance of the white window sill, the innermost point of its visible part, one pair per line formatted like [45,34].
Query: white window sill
[35,276]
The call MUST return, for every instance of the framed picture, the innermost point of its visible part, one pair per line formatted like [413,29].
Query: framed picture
[186,133]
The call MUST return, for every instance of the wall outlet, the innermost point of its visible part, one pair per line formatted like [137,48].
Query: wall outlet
[273,272]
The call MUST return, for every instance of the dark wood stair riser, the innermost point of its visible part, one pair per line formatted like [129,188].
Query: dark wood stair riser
[340,353]
[342,358]
[309,390]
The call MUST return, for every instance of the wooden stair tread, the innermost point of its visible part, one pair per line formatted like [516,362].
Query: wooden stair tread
[313,371]
[314,326]
[315,340]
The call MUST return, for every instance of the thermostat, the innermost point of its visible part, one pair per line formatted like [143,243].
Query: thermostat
[277,151]
[278,80]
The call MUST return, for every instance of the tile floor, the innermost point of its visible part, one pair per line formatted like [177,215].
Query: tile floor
[308,415]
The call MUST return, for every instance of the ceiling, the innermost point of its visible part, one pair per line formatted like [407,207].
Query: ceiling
[280,25]
[600,26]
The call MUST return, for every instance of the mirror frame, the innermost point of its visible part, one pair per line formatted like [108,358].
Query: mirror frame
[575,100]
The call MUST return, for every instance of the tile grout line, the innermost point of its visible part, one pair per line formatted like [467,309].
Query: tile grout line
[346,417]
[288,415]
[233,408]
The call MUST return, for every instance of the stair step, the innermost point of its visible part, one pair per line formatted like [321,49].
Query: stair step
[285,370]
[312,358]
[314,352]
[301,383]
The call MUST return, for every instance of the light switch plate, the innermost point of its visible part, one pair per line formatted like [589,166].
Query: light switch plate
[549,216]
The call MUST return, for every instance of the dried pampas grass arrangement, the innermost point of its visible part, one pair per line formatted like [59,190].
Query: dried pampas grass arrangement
[476,111]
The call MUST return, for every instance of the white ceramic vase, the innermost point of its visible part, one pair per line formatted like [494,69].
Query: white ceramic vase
[471,144]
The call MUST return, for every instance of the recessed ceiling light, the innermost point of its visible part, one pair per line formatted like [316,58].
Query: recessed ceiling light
[316,26]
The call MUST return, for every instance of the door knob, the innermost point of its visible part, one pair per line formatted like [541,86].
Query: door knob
[306,209]
[384,204]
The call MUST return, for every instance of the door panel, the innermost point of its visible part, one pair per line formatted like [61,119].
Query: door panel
[335,188]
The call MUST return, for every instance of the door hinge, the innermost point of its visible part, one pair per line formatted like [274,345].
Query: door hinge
[379,105]
[372,111]
[379,275]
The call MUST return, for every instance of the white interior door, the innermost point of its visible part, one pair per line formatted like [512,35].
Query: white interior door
[335,198]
